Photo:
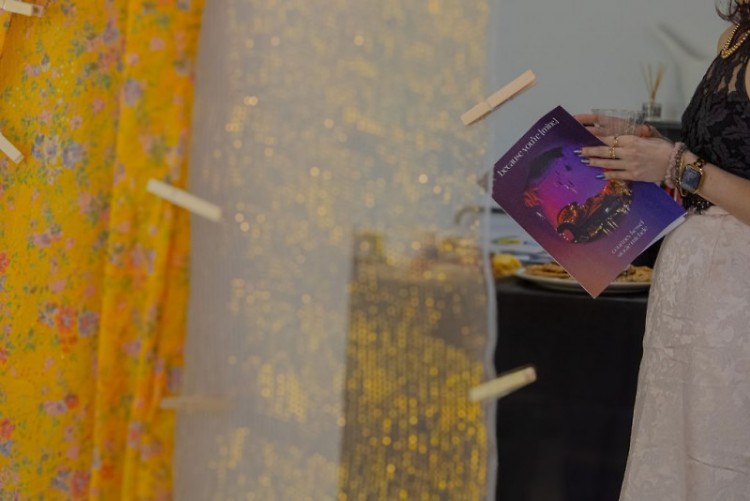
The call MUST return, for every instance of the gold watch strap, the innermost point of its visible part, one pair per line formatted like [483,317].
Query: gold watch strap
[697,165]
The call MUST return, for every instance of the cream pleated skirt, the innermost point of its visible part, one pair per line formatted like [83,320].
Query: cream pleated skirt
[691,428]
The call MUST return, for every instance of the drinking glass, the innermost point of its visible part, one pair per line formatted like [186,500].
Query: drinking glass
[614,122]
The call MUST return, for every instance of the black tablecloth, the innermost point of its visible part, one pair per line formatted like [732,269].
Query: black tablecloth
[566,436]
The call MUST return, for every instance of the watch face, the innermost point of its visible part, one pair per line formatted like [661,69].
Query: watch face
[691,179]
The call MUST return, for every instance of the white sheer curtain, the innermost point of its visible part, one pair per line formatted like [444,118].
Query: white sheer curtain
[338,315]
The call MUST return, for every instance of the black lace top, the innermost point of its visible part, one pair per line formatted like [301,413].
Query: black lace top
[716,123]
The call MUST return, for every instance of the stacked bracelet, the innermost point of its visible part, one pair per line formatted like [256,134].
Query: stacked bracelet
[673,169]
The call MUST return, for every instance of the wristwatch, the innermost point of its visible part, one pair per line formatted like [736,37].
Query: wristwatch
[691,178]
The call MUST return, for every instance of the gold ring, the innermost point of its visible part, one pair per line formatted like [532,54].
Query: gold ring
[612,154]
[615,144]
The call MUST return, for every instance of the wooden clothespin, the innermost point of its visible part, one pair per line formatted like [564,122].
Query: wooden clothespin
[185,200]
[23,8]
[10,150]
[503,385]
[525,81]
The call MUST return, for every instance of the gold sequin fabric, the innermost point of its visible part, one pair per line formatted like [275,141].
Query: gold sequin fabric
[331,315]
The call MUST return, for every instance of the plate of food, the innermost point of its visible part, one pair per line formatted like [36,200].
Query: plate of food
[553,276]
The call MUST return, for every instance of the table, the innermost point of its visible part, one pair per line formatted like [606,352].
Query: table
[671,129]
[566,437]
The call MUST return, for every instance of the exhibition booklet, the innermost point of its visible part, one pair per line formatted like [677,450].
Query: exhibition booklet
[594,228]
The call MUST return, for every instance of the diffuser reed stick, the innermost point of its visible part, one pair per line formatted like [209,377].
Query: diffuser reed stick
[653,79]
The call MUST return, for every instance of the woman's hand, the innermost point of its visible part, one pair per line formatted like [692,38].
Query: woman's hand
[607,126]
[630,158]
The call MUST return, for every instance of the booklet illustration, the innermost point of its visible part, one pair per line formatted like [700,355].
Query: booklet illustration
[594,228]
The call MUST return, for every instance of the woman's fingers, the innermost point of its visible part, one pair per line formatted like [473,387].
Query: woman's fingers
[608,164]
[586,118]
[609,158]
[600,152]
[629,158]
[606,151]
[594,130]
[623,175]
[625,169]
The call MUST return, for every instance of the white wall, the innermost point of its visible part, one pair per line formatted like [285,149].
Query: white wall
[587,54]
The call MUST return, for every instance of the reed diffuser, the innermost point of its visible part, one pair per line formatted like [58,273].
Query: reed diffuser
[653,78]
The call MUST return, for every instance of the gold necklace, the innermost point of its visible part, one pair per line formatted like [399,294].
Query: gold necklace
[727,51]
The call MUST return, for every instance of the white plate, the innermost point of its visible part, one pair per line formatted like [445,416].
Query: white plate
[570,285]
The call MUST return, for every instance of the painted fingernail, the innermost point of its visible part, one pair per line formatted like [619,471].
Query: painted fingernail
[600,176]
[585,161]
[578,152]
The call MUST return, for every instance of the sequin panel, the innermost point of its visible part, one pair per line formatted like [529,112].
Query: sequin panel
[331,339]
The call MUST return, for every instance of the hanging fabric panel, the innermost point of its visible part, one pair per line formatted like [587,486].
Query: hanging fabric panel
[93,269]
[339,316]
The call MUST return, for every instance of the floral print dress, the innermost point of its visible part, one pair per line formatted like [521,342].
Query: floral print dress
[93,269]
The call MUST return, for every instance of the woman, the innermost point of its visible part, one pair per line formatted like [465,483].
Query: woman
[691,427]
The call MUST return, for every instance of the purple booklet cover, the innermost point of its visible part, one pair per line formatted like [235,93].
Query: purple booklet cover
[593,228]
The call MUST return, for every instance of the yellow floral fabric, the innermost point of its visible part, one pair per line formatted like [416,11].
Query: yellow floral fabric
[93,269]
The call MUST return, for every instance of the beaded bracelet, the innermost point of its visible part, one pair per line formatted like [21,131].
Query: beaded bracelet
[675,159]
